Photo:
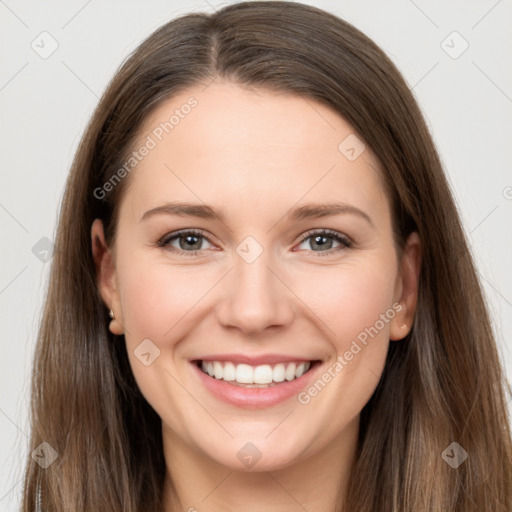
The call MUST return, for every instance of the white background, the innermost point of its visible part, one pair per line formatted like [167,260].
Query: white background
[45,104]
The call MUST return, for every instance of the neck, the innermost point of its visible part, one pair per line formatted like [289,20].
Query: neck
[196,483]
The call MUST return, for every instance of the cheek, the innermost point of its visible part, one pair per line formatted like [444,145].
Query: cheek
[159,301]
[157,297]
[351,297]
[366,295]
[356,303]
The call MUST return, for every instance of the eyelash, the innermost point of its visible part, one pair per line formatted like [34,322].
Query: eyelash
[342,239]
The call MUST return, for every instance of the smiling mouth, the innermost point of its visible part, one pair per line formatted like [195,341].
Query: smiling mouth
[261,376]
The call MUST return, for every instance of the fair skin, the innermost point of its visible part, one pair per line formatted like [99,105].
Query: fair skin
[256,156]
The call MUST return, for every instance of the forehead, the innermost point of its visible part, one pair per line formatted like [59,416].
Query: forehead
[230,145]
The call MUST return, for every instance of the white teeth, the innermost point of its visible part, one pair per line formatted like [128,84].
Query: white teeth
[217,370]
[261,375]
[290,372]
[229,372]
[244,374]
[278,373]
[300,370]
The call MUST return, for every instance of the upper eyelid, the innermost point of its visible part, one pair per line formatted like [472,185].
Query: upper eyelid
[324,231]
[168,237]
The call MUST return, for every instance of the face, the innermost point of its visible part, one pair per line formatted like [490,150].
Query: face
[256,239]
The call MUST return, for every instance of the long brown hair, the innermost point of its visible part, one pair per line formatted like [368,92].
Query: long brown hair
[443,384]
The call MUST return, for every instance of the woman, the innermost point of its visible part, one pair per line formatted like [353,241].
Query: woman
[200,350]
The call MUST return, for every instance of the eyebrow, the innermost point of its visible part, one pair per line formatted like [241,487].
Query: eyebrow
[204,211]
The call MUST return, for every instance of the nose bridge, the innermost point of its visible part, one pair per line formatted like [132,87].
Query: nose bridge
[255,298]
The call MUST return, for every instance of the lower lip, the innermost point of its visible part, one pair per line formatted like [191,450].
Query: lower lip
[255,398]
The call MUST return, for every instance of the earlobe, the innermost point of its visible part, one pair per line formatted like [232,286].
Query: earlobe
[409,280]
[106,275]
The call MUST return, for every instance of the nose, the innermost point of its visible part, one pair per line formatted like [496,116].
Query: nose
[255,297]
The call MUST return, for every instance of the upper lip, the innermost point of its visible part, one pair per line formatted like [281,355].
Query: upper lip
[255,360]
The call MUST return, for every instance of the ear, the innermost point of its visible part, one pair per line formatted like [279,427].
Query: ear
[407,288]
[106,275]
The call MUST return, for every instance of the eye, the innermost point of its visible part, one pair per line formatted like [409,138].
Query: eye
[185,241]
[191,242]
[322,241]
